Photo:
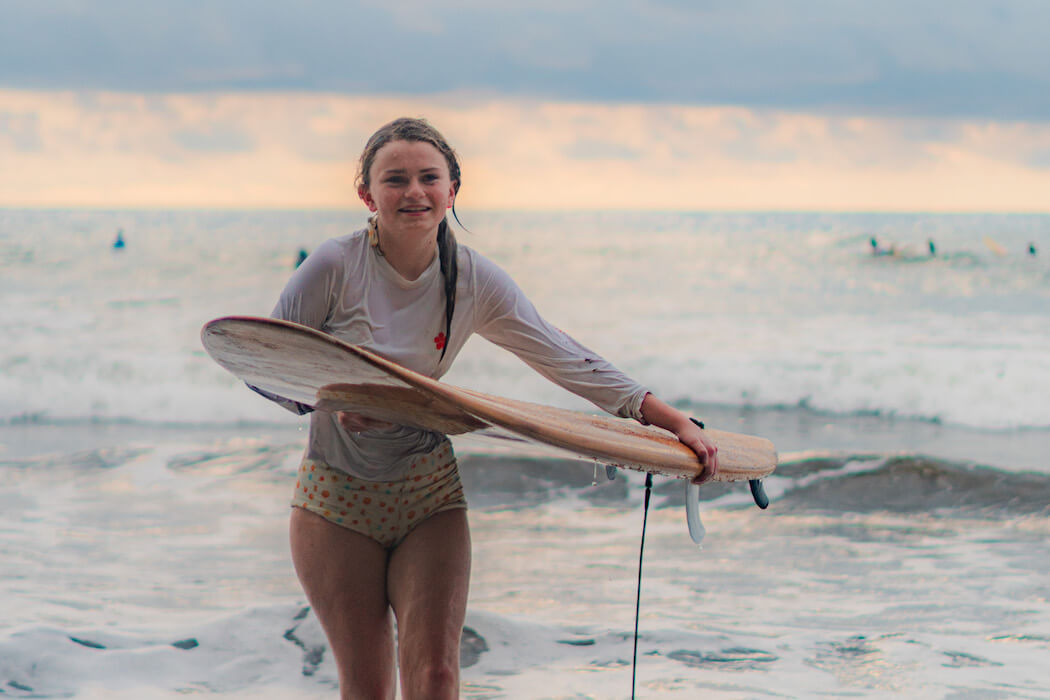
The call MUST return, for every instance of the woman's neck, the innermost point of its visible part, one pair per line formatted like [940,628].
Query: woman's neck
[409,255]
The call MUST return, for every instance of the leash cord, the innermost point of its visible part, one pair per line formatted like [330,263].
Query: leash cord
[638,596]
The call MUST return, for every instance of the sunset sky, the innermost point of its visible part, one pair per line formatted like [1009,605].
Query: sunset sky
[651,104]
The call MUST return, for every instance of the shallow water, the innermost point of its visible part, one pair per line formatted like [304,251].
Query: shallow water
[162,570]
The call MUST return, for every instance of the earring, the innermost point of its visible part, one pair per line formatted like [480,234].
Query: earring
[373,233]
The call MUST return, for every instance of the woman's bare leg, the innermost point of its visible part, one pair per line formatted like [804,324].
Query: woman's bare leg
[344,576]
[428,580]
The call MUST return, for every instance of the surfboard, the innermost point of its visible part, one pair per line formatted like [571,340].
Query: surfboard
[994,246]
[321,371]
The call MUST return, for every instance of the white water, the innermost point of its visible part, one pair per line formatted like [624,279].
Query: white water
[746,309]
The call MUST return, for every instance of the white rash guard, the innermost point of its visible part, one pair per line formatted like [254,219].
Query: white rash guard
[347,288]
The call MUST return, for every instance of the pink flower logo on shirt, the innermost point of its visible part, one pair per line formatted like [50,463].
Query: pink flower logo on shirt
[439,341]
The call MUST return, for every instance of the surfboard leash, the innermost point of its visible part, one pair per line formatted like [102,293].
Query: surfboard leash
[696,531]
[641,559]
[638,595]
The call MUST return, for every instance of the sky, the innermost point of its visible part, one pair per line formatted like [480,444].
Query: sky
[650,104]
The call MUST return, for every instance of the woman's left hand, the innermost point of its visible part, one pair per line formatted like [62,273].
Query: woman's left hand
[692,436]
[688,433]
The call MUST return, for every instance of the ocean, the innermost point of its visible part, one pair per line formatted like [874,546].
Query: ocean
[143,498]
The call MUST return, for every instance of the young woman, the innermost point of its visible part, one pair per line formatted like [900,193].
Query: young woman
[379,528]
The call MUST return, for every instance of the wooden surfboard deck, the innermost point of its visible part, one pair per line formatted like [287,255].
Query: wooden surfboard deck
[317,369]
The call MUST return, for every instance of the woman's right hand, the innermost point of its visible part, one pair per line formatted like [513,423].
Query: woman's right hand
[357,423]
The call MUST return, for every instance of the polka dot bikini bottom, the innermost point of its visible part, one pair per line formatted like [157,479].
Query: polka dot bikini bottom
[385,511]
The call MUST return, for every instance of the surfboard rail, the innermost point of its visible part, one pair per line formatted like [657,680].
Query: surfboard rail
[314,368]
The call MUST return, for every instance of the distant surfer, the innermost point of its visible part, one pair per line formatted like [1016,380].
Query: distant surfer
[1031,249]
[301,257]
[932,247]
[118,244]
[378,522]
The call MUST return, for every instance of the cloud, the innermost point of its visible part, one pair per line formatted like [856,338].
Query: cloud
[1039,158]
[596,149]
[215,139]
[295,150]
[21,131]
[978,59]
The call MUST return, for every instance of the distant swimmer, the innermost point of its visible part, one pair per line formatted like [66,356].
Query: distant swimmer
[1031,249]
[302,257]
[119,243]
[876,250]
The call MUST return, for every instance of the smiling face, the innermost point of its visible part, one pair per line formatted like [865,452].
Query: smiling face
[408,185]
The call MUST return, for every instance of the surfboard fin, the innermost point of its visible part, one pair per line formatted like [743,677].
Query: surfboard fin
[692,512]
[758,492]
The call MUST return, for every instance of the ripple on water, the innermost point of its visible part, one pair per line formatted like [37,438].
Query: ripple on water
[731,659]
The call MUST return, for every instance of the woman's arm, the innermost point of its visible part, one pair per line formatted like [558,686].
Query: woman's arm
[506,317]
[306,299]
[689,434]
